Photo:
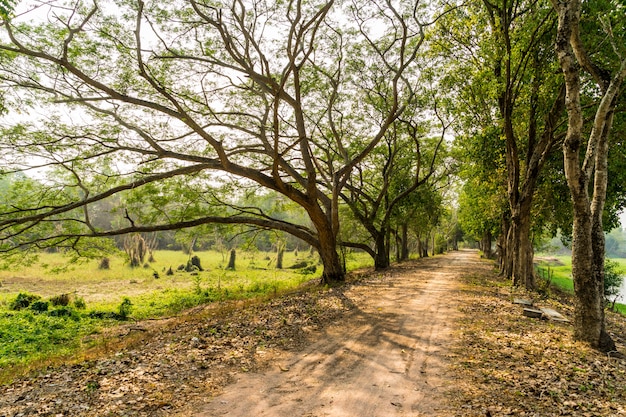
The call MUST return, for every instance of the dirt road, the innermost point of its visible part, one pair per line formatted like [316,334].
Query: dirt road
[386,357]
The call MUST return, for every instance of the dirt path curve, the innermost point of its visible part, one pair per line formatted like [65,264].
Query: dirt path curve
[387,356]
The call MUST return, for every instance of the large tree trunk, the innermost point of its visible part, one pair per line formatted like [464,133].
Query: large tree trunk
[587,239]
[588,280]
[327,227]
[381,261]
[518,253]
[333,268]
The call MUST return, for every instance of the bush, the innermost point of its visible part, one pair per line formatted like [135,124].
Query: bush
[79,303]
[125,308]
[105,263]
[63,311]
[23,300]
[39,306]
[60,300]
[101,315]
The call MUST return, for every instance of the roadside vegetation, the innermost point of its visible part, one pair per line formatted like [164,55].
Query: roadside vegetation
[52,309]
[555,273]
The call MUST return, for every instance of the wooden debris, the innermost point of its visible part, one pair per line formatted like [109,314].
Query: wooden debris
[553,315]
[533,313]
[523,302]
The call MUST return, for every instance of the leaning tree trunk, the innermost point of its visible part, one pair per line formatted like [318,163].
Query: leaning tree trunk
[606,343]
[280,254]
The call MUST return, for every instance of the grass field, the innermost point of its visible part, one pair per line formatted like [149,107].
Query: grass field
[99,298]
[558,270]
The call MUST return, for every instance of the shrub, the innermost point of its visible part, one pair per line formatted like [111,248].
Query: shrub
[39,306]
[299,265]
[60,300]
[63,311]
[101,315]
[96,314]
[105,263]
[79,303]
[23,300]
[125,308]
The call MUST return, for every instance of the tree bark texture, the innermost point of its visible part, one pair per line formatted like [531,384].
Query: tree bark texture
[381,261]
[588,238]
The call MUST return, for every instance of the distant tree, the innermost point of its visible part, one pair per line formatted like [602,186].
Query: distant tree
[379,189]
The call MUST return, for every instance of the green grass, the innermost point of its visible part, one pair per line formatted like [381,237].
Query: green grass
[558,269]
[28,336]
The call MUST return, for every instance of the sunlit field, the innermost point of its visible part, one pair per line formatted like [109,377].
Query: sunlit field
[97,298]
[558,270]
